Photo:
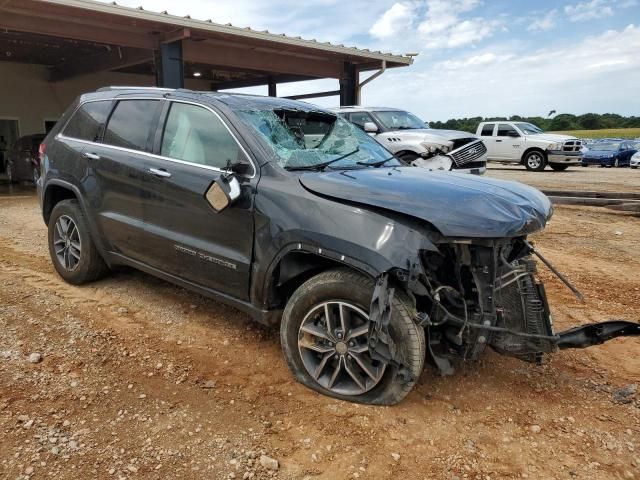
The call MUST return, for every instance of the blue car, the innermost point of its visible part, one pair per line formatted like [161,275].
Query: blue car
[609,154]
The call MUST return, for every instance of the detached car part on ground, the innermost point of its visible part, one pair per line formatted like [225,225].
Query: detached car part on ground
[416,143]
[297,216]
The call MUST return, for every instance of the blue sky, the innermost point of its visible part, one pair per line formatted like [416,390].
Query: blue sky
[476,57]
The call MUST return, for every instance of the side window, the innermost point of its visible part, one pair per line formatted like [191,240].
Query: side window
[194,134]
[504,129]
[88,121]
[360,118]
[131,123]
[487,130]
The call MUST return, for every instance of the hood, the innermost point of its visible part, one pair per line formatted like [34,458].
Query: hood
[458,205]
[599,153]
[431,134]
[550,137]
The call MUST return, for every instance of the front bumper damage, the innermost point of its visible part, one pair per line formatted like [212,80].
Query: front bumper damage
[477,294]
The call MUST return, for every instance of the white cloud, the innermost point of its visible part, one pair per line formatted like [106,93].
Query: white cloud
[588,10]
[604,71]
[544,23]
[395,20]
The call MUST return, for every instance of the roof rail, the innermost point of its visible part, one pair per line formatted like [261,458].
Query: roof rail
[108,89]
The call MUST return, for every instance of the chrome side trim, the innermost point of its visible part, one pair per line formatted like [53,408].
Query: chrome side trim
[152,155]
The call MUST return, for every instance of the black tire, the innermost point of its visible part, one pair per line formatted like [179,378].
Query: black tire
[408,157]
[535,160]
[35,174]
[10,173]
[90,265]
[558,167]
[356,289]
[616,163]
[633,167]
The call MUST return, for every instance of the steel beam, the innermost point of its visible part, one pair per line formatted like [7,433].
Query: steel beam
[349,85]
[170,72]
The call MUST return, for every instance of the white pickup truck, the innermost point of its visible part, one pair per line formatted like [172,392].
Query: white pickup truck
[522,142]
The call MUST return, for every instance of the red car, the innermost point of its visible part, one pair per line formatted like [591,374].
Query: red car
[23,160]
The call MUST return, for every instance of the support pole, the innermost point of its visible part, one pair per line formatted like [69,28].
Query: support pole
[349,85]
[273,87]
[171,69]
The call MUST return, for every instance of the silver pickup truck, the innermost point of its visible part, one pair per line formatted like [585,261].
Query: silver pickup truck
[411,139]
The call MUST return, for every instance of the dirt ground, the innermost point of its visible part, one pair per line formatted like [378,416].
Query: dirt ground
[141,379]
[574,178]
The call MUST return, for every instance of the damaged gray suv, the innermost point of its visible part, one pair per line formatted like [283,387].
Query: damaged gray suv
[299,218]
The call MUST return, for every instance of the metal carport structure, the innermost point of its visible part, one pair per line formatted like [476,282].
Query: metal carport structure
[78,37]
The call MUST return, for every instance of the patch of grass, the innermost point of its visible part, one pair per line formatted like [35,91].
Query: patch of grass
[604,133]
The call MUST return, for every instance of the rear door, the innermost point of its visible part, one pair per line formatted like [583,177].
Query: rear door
[118,173]
[487,135]
[186,237]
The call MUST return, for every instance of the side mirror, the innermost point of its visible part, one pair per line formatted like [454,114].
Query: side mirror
[223,192]
[370,127]
[511,133]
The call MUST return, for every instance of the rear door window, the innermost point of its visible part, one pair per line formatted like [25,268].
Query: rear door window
[487,130]
[194,134]
[131,123]
[504,129]
[88,121]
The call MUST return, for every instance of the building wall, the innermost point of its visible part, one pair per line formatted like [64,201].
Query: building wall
[26,94]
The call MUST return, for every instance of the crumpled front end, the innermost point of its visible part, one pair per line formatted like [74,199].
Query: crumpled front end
[471,295]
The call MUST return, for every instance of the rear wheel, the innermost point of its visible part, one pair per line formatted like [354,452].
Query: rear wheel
[534,161]
[558,167]
[325,333]
[71,248]
[10,174]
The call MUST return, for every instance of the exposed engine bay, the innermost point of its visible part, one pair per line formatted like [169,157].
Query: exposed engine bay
[476,294]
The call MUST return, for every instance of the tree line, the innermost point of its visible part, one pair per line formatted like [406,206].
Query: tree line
[563,121]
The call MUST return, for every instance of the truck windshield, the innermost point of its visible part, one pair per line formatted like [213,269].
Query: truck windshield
[528,128]
[305,140]
[399,120]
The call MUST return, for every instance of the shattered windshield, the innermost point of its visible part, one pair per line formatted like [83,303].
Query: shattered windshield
[308,140]
[528,128]
[399,120]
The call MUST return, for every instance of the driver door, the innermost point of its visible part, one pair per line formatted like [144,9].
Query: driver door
[508,143]
[187,237]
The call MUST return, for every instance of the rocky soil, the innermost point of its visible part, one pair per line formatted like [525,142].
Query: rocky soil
[132,377]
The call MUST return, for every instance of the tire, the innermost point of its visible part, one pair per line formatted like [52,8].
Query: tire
[558,167]
[79,264]
[354,291]
[10,174]
[633,167]
[408,157]
[616,163]
[534,161]
[35,174]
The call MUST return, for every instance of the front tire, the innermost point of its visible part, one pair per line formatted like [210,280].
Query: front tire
[324,336]
[535,161]
[558,167]
[10,175]
[409,157]
[73,253]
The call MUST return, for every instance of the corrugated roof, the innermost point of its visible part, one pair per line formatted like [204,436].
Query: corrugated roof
[210,26]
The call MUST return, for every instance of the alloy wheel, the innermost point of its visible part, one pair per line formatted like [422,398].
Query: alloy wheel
[333,344]
[67,243]
[534,161]
[9,172]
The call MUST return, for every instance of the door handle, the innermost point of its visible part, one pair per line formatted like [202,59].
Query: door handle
[159,172]
[91,156]
[498,141]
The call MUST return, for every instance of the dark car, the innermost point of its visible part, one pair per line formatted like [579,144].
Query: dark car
[23,160]
[298,217]
[609,154]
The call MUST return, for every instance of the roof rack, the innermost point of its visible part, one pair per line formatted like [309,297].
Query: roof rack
[162,89]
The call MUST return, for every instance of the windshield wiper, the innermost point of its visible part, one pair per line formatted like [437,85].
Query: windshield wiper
[379,163]
[323,165]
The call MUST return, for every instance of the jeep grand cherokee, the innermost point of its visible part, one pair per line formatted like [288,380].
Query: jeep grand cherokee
[296,216]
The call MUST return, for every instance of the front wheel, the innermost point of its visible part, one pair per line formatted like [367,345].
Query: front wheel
[10,174]
[325,333]
[535,161]
[558,167]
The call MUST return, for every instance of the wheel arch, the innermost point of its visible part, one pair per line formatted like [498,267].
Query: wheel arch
[54,192]
[534,149]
